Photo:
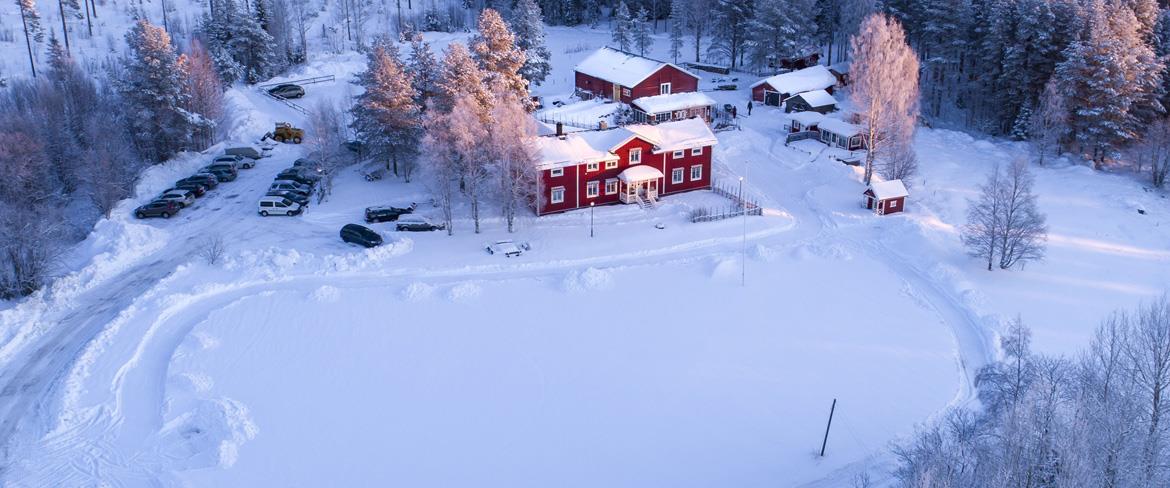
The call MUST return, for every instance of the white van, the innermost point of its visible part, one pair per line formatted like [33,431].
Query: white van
[276,205]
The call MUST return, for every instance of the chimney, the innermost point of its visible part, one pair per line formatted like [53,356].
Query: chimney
[560,129]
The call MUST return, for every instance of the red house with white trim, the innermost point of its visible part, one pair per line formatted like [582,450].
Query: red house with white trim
[623,77]
[886,197]
[631,164]
[773,90]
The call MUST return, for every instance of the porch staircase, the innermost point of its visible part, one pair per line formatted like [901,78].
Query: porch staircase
[646,203]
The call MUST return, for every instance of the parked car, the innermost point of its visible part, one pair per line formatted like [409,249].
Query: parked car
[360,235]
[273,205]
[294,175]
[300,198]
[206,179]
[387,213]
[158,208]
[287,90]
[507,248]
[291,186]
[416,223]
[182,197]
[246,152]
[221,173]
[239,162]
[197,189]
[308,165]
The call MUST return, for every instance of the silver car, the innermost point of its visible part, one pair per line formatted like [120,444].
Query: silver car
[180,196]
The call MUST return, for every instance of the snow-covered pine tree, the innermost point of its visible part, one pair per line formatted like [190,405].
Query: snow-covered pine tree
[730,29]
[528,28]
[67,9]
[620,28]
[218,35]
[386,116]
[460,77]
[643,39]
[941,49]
[884,87]
[780,29]
[423,68]
[30,19]
[252,48]
[495,49]
[678,26]
[151,84]
[698,19]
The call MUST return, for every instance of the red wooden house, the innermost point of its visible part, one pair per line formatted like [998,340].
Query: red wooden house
[631,164]
[623,77]
[773,90]
[886,197]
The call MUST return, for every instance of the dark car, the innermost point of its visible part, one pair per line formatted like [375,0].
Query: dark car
[199,189]
[387,213]
[300,198]
[360,235]
[416,223]
[287,90]
[294,175]
[308,165]
[158,208]
[222,173]
[206,179]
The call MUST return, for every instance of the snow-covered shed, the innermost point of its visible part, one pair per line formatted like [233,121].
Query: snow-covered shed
[811,101]
[774,89]
[838,133]
[886,197]
[623,76]
[672,106]
[803,121]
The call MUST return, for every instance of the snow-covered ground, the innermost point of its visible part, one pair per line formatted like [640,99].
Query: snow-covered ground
[632,358]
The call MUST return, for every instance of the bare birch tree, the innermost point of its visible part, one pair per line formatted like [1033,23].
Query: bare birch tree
[884,75]
[510,143]
[1150,357]
[1005,223]
[1049,122]
[1154,150]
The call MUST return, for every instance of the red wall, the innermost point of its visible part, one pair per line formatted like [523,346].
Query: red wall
[597,86]
[685,163]
[680,82]
[758,92]
[547,182]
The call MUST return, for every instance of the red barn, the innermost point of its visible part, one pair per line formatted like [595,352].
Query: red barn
[886,197]
[623,76]
[775,89]
[632,164]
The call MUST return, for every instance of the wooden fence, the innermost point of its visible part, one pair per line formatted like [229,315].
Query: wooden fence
[740,205]
[800,136]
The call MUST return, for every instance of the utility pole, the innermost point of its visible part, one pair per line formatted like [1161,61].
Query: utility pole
[826,441]
[591,219]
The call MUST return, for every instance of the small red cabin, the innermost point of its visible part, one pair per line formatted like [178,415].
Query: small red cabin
[773,90]
[886,197]
[623,77]
[631,164]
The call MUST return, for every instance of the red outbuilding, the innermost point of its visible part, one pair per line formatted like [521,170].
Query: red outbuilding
[886,197]
[623,77]
[632,164]
[773,90]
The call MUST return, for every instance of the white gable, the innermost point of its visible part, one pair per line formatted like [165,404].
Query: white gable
[622,68]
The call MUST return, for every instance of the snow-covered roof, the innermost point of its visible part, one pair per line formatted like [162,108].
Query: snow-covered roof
[807,118]
[883,190]
[641,172]
[678,134]
[623,68]
[597,145]
[817,98]
[811,78]
[839,127]
[673,101]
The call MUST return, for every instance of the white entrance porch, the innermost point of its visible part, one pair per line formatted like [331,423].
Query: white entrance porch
[639,184]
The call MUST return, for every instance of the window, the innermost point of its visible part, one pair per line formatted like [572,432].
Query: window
[855,141]
[557,172]
[591,167]
[636,155]
[893,204]
[611,186]
[697,151]
[678,154]
[680,114]
[826,137]
[591,189]
[676,176]
[610,164]
[696,172]
[625,92]
[664,89]
[558,195]
[662,117]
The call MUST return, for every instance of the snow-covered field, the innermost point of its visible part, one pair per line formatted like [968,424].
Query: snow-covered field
[632,358]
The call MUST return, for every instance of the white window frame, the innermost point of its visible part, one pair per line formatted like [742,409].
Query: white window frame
[625,92]
[676,176]
[697,151]
[611,164]
[612,182]
[678,154]
[662,117]
[592,189]
[635,156]
[556,172]
[696,172]
[552,196]
[590,167]
[893,204]
[664,88]
[680,114]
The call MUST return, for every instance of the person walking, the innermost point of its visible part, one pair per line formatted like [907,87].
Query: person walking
[733,111]
[749,107]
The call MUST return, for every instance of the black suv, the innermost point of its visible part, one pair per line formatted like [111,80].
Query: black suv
[387,213]
[287,90]
[222,173]
[294,175]
[158,208]
[360,235]
[206,179]
[300,198]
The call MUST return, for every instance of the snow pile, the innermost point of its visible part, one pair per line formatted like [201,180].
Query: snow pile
[590,279]
[207,435]
[417,291]
[464,291]
[673,101]
[326,294]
